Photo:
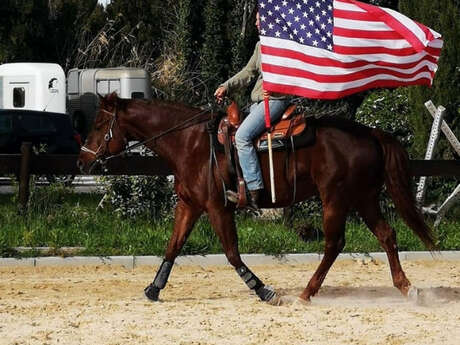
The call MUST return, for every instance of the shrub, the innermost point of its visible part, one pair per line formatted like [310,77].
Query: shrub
[140,196]
[388,110]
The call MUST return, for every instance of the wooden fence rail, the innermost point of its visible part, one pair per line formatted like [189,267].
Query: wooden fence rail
[26,164]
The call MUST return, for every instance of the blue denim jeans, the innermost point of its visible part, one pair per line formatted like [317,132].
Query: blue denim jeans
[252,126]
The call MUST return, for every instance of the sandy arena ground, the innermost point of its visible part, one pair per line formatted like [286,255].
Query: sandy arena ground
[105,305]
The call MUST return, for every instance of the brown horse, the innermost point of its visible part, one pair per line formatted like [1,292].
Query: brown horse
[346,166]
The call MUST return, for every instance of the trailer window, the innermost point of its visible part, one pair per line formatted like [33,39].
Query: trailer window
[19,97]
[137,95]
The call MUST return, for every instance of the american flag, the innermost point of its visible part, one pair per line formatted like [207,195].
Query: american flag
[329,49]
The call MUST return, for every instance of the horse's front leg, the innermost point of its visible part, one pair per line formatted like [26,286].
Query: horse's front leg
[184,220]
[223,222]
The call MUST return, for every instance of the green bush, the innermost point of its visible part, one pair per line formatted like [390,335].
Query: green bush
[388,110]
[140,196]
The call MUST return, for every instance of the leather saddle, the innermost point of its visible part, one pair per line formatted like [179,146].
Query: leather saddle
[291,124]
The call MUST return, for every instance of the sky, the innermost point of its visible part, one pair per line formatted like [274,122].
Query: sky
[103,2]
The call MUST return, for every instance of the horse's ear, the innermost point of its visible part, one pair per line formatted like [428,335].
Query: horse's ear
[112,98]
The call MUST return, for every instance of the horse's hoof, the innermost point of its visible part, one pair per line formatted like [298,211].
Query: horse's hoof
[152,292]
[266,293]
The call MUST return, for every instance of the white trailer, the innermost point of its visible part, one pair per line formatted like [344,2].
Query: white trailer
[33,86]
[84,86]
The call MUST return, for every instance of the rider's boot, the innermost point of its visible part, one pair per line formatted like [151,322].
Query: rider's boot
[254,196]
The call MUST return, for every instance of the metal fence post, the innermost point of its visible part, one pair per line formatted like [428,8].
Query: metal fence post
[434,136]
[24,175]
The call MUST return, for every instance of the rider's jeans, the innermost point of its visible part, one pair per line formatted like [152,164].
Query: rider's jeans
[252,126]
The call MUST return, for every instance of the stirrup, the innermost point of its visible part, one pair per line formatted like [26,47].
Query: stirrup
[232,196]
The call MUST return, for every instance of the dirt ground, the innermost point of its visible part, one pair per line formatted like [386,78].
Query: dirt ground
[105,305]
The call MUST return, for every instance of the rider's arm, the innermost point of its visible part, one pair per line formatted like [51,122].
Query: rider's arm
[246,75]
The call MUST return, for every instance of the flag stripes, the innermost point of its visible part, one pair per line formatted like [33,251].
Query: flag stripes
[372,47]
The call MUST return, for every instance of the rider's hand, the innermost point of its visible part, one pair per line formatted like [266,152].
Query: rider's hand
[220,93]
[266,94]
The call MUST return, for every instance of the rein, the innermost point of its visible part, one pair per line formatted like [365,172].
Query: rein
[109,135]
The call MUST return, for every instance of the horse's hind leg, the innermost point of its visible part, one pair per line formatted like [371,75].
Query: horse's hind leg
[334,218]
[223,222]
[372,216]
[184,220]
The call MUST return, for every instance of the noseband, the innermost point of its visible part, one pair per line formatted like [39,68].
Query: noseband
[99,153]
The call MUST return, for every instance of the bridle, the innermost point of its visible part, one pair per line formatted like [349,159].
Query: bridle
[100,154]
[107,138]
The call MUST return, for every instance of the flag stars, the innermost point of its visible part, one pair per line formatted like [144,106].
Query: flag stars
[307,22]
[262,5]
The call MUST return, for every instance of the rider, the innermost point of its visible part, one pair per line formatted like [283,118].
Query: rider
[254,124]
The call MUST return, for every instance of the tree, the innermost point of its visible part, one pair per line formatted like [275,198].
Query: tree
[23,31]
[214,56]
[442,16]
[68,19]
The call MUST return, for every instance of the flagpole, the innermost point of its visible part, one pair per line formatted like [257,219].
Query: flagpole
[270,149]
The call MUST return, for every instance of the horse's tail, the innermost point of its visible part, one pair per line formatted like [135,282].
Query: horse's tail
[398,181]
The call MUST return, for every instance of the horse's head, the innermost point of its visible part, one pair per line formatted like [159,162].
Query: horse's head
[106,137]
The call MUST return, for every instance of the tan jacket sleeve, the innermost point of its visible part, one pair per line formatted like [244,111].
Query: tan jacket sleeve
[247,74]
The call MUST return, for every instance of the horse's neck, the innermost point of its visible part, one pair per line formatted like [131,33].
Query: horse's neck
[173,147]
